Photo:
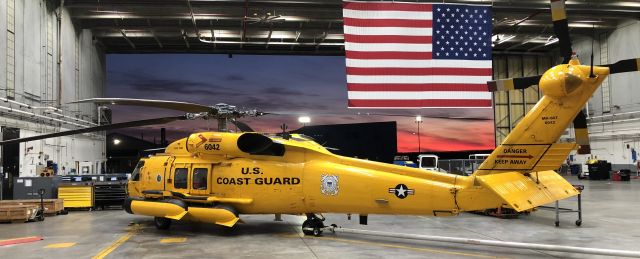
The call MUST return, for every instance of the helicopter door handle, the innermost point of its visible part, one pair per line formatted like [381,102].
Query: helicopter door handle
[382,201]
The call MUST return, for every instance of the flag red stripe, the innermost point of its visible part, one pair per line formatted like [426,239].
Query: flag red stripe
[386,55]
[419,103]
[387,23]
[418,87]
[418,71]
[387,39]
[387,6]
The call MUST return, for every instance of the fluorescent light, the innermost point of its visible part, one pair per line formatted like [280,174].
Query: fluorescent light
[505,39]
[549,42]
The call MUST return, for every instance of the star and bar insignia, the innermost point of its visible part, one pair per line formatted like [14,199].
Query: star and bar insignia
[401,191]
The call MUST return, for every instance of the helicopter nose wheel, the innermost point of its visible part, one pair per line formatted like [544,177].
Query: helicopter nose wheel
[162,223]
[313,225]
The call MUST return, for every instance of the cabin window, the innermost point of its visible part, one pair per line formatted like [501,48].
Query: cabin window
[200,178]
[180,178]
[135,175]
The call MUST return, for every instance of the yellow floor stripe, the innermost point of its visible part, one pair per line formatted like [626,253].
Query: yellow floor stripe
[173,240]
[60,245]
[104,252]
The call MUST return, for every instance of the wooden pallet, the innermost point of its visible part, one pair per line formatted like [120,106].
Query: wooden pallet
[17,213]
[52,207]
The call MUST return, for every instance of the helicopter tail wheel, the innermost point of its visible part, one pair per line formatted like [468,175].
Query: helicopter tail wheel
[162,223]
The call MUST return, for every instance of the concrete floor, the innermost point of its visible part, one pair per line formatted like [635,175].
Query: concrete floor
[611,218]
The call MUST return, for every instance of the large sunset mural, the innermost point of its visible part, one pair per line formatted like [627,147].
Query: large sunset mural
[315,86]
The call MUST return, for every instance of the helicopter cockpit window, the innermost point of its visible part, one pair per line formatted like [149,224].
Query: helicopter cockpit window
[200,178]
[180,178]
[135,175]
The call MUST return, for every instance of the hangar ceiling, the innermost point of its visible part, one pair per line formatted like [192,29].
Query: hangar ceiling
[306,27]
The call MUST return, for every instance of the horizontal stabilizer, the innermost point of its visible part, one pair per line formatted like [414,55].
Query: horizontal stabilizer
[526,192]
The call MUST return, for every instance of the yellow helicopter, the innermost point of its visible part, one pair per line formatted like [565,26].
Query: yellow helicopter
[215,177]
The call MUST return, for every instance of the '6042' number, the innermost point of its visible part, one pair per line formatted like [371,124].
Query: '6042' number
[211,146]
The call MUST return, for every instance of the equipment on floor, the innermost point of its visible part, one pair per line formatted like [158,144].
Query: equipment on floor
[93,191]
[40,212]
[599,169]
[621,175]
[25,188]
[51,206]
[559,210]
[76,195]
[110,190]
[18,213]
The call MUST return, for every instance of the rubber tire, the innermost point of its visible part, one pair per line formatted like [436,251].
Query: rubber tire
[578,223]
[307,224]
[316,224]
[162,223]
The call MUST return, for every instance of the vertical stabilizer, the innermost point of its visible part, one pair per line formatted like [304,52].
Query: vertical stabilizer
[531,146]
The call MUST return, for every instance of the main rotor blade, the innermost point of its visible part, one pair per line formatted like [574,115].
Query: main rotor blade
[427,116]
[626,65]
[561,29]
[242,126]
[513,83]
[378,114]
[172,105]
[121,125]
[582,133]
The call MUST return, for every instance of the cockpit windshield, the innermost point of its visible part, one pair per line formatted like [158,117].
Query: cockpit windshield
[135,175]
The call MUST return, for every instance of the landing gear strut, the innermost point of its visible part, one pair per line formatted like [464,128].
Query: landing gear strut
[313,225]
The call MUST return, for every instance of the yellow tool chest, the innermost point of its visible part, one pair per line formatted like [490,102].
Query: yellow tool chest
[76,196]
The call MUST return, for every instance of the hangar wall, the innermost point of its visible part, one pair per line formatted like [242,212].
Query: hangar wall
[614,110]
[45,63]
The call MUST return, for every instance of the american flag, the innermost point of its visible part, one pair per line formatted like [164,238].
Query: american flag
[416,55]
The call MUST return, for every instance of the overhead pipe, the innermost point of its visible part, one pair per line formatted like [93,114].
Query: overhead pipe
[33,114]
[496,243]
[21,105]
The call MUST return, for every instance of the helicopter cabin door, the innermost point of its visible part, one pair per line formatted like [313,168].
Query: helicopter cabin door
[200,179]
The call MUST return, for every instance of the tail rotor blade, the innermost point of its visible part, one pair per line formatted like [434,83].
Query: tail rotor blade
[513,83]
[121,125]
[622,66]
[582,133]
